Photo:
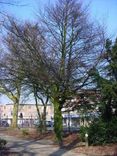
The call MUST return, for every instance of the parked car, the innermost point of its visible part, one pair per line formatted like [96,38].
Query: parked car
[71,129]
[49,124]
[23,124]
[4,123]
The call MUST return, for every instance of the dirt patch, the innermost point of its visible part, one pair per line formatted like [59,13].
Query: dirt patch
[108,150]
[27,133]
[74,143]
[70,142]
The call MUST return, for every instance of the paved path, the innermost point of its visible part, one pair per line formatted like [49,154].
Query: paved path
[36,147]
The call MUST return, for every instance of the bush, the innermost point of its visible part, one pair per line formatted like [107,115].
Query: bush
[83,131]
[2,143]
[25,132]
[101,132]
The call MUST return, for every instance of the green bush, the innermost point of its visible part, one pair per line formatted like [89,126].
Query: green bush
[83,131]
[2,143]
[101,132]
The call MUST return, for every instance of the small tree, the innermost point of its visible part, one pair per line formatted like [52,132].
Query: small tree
[10,84]
[40,98]
[29,63]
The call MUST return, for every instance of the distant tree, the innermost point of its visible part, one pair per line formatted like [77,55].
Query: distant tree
[28,36]
[10,84]
[41,96]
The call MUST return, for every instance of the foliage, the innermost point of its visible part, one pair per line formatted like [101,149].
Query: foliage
[25,132]
[2,143]
[104,129]
[106,81]
[101,132]
[83,131]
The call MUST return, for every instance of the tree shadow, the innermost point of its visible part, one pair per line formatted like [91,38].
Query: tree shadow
[64,149]
[27,147]
[19,148]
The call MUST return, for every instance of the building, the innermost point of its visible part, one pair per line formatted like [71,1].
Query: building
[28,115]
[27,112]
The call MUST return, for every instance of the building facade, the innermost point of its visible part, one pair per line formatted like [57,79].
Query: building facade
[27,115]
[26,112]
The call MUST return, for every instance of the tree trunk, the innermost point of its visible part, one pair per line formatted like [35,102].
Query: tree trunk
[44,119]
[15,115]
[58,126]
[39,118]
[38,112]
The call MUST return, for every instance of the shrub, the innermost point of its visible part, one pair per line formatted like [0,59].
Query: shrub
[2,143]
[83,131]
[101,132]
[25,132]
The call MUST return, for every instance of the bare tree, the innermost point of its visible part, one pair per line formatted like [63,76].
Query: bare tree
[10,84]
[26,43]
[41,96]
[58,52]
[74,44]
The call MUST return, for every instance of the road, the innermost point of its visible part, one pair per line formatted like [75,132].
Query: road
[36,147]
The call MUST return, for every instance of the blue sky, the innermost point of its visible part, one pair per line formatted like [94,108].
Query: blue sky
[105,11]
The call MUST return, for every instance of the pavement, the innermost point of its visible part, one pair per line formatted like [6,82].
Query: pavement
[36,147]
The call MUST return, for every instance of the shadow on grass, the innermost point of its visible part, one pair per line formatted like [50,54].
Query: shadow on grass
[64,149]
[25,147]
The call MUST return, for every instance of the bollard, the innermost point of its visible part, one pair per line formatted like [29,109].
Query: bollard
[86,140]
